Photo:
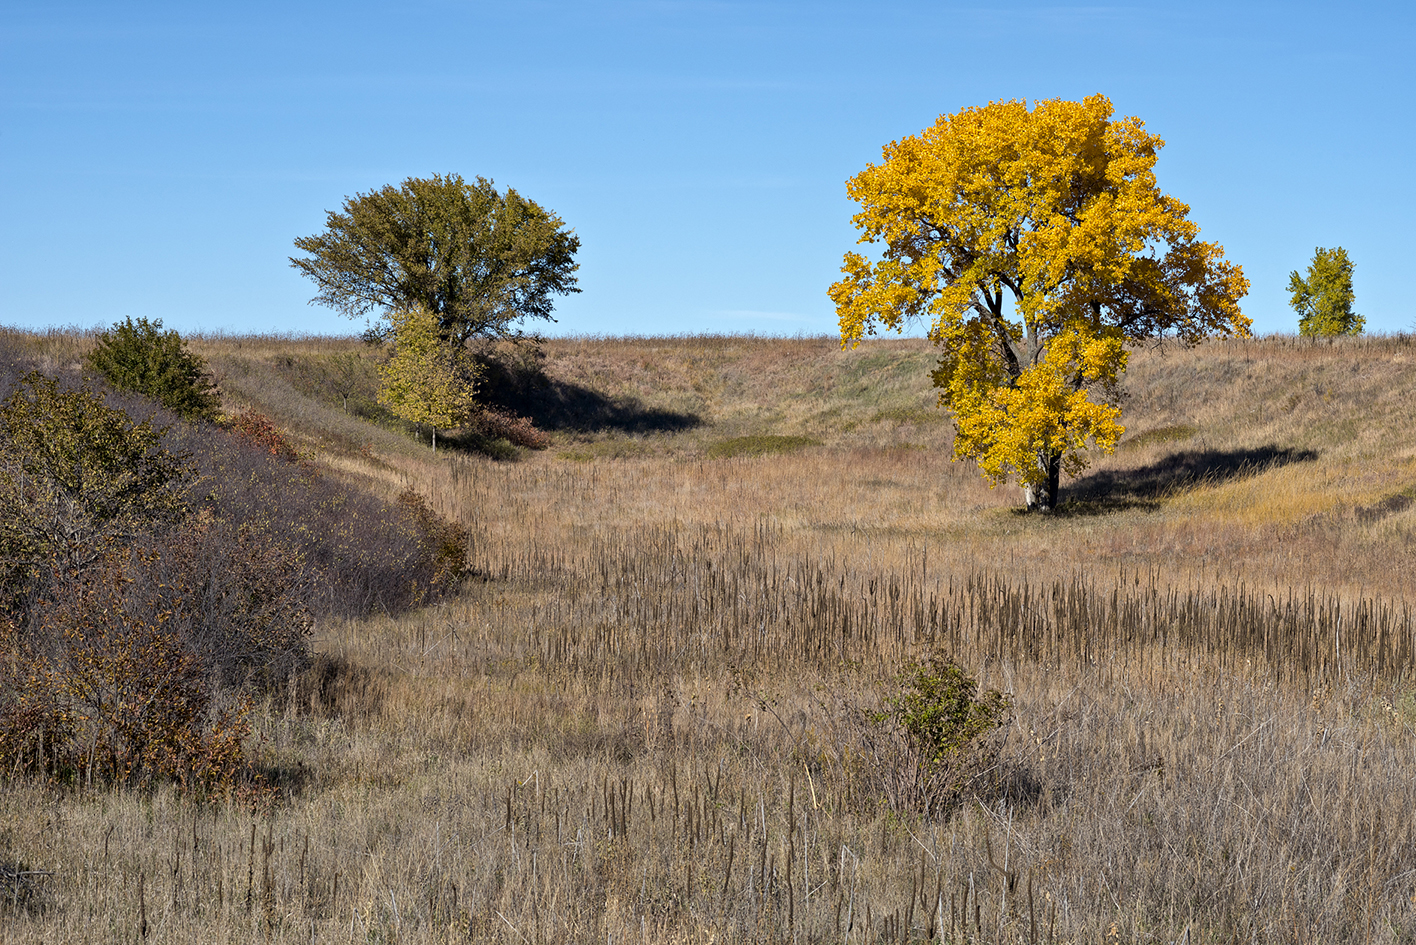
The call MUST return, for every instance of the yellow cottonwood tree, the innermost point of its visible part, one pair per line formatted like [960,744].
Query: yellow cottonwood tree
[428,379]
[1038,247]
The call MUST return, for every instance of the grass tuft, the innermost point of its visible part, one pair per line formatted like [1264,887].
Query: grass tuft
[1173,433]
[758,445]
[912,415]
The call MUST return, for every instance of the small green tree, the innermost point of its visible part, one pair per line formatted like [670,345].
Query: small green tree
[1323,301]
[345,375]
[427,380]
[141,357]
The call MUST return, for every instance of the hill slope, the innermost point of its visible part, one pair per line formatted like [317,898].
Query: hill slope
[1277,460]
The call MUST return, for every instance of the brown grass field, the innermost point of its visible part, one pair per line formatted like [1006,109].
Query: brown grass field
[640,722]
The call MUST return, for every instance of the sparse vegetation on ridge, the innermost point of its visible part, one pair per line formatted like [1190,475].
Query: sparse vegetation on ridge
[635,726]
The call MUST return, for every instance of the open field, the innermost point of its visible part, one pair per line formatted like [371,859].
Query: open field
[640,721]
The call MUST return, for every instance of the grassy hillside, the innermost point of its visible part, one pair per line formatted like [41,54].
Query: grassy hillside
[1274,461]
[643,720]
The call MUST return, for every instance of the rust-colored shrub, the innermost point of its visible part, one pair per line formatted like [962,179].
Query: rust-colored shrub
[104,685]
[142,666]
[135,620]
[498,424]
[258,429]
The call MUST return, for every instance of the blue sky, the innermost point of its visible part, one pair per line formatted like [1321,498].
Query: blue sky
[158,159]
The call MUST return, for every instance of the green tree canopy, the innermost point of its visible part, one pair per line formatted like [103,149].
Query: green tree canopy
[1037,245]
[141,357]
[1323,301]
[478,259]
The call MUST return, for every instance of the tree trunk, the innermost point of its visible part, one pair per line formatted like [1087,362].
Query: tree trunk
[435,437]
[1043,497]
[1053,484]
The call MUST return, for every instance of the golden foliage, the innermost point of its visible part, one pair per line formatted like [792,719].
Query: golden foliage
[1036,243]
[1045,411]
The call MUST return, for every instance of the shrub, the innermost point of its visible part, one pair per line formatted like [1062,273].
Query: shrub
[260,431]
[130,629]
[937,740]
[148,596]
[141,357]
[237,594]
[444,542]
[496,424]
[77,478]
[104,685]
[359,554]
[141,665]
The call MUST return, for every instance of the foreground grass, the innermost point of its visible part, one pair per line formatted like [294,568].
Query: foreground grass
[637,725]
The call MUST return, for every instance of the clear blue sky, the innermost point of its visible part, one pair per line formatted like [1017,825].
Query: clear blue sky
[159,158]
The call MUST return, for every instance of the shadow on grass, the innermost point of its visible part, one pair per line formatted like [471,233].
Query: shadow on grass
[1115,490]
[553,404]
[1390,505]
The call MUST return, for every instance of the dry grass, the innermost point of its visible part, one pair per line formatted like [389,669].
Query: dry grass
[637,725]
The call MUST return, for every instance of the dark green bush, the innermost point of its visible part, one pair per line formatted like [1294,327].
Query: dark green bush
[142,358]
[941,711]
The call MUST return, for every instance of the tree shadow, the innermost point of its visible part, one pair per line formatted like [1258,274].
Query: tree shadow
[1113,490]
[522,387]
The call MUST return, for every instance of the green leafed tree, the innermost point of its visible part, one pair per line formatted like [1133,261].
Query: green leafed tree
[139,356]
[478,259]
[1324,299]
[427,380]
